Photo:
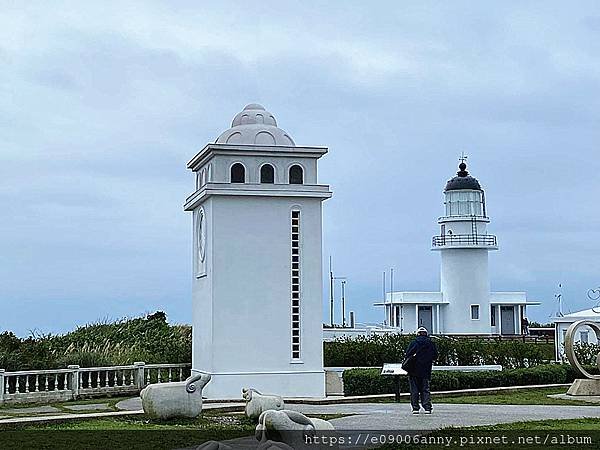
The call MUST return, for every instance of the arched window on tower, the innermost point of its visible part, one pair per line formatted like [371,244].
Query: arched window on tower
[238,173]
[296,175]
[267,174]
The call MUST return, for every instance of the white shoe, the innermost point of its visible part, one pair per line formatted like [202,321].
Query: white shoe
[428,411]
[415,411]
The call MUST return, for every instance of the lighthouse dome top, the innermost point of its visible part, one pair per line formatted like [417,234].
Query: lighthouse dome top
[254,125]
[463,180]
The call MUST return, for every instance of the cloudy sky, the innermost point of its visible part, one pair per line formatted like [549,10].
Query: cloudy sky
[102,104]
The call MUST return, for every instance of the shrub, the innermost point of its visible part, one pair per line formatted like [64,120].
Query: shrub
[369,381]
[586,353]
[377,350]
[150,339]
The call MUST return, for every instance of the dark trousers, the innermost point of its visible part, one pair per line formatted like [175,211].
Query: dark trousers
[419,388]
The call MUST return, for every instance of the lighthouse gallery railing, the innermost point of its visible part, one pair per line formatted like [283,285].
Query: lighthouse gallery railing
[464,239]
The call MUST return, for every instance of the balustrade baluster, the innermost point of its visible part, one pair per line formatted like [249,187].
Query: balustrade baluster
[56,382]
[37,383]
[106,378]
[46,383]
[26,383]
[131,377]
[169,374]
[148,376]
[158,376]
[181,374]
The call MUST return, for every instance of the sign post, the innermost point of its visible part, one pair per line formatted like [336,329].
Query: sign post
[396,371]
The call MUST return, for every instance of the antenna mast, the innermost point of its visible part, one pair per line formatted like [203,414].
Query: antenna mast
[330,292]
[559,299]
[343,303]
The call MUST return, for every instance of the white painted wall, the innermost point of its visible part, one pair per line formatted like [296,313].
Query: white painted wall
[465,227]
[242,318]
[221,164]
[465,281]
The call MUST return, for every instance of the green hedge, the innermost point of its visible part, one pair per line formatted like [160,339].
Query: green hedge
[369,381]
[376,350]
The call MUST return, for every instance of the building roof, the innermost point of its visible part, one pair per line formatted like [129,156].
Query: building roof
[463,180]
[411,298]
[427,298]
[579,315]
[254,125]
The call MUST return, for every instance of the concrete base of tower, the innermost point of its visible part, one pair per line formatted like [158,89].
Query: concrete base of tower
[228,385]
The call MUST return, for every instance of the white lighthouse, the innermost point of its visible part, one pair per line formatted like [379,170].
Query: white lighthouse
[464,245]
[464,303]
[257,303]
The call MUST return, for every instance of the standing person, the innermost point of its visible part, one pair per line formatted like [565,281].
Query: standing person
[525,325]
[423,351]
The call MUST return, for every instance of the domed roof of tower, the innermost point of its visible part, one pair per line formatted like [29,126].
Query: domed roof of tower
[254,125]
[463,180]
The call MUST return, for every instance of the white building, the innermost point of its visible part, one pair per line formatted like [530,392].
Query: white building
[464,304]
[257,226]
[584,335]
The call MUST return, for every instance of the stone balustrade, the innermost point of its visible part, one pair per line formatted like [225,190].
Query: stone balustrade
[74,382]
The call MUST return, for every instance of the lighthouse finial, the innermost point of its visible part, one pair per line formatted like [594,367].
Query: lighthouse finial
[463,165]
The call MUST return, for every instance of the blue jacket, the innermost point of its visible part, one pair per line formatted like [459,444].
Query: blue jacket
[426,354]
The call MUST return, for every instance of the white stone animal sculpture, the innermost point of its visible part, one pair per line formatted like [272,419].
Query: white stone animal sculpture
[290,427]
[179,399]
[257,403]
[273,445]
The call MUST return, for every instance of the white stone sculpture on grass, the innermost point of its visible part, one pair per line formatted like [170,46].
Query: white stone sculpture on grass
[290,427]
[257,403]
[171,400]
[590,385]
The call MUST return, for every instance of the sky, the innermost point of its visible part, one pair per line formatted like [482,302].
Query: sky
[103,103]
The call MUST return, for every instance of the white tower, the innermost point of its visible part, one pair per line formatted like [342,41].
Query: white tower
[464,245]
[257,277]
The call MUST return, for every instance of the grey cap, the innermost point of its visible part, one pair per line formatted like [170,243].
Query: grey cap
[463,180]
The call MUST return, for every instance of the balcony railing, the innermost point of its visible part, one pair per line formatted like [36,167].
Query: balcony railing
[465,240]
[76,382]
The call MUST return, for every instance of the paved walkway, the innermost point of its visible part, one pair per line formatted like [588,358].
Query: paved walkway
[135,404]
[397,416]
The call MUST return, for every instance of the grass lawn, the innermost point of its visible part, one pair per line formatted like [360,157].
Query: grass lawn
[523,397]
[567,433]
[590,424]
[129,433]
